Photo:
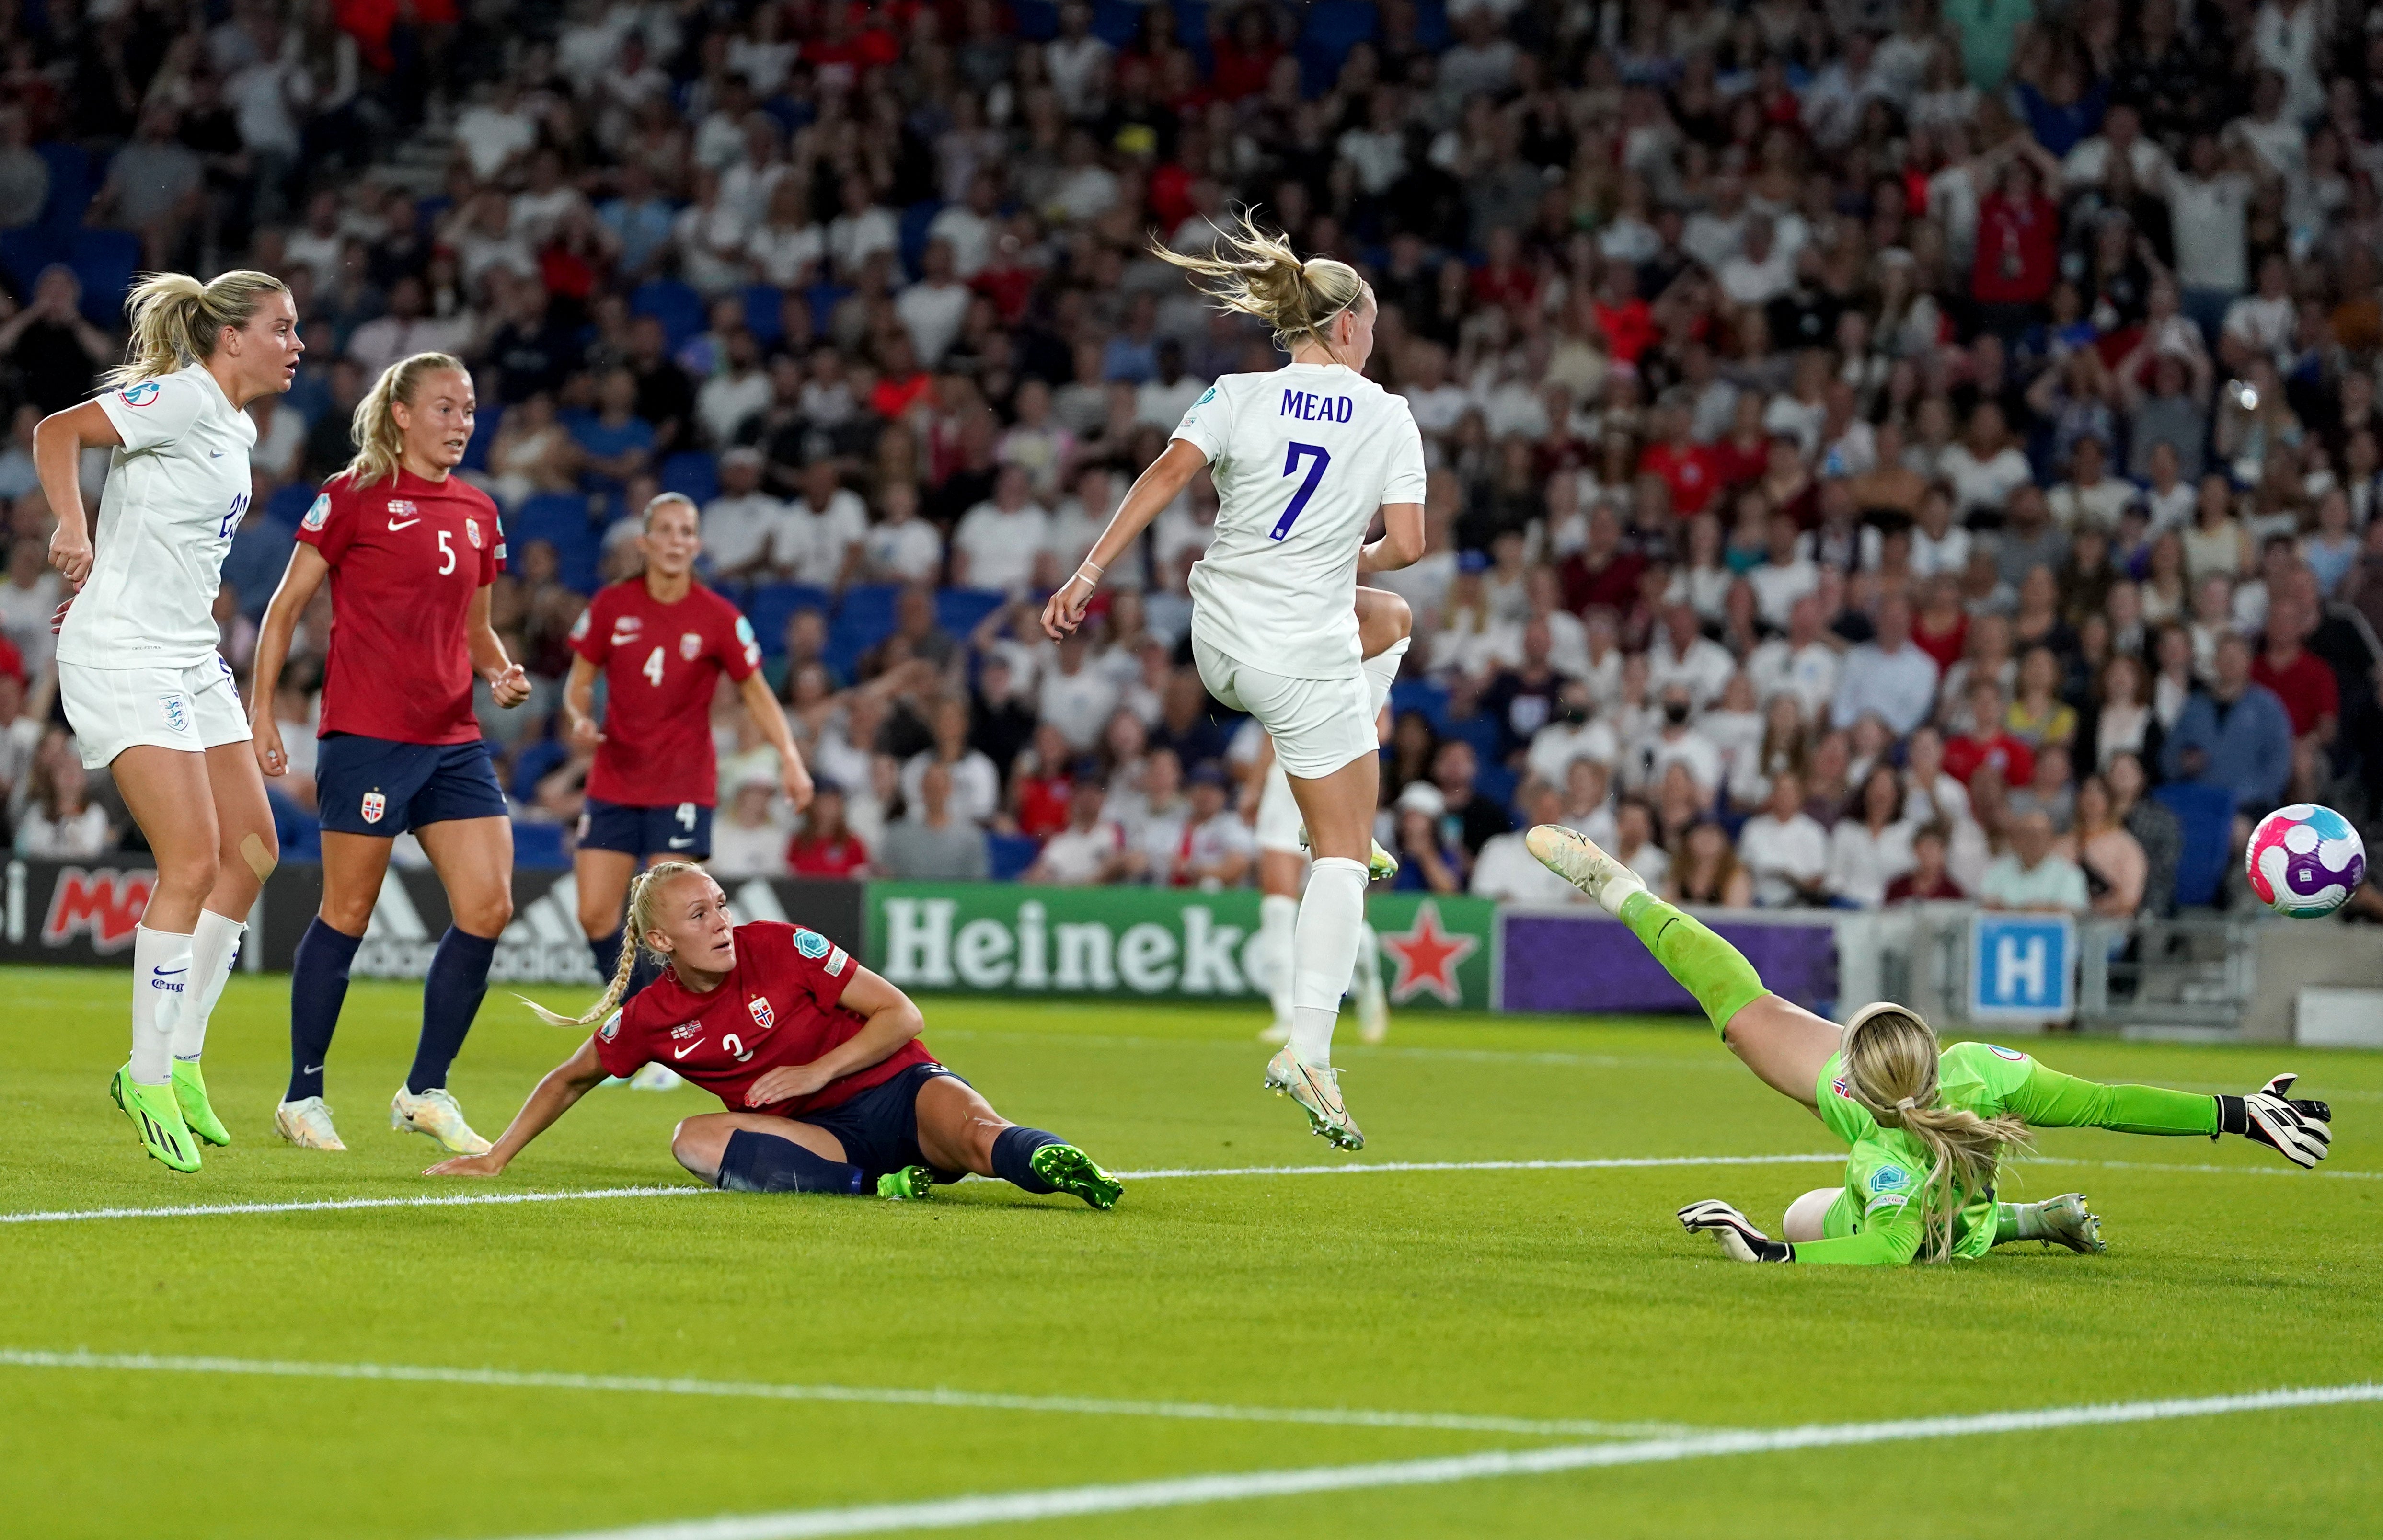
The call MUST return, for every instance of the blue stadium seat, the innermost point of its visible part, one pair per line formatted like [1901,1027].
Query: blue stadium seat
[1482,732]
[104,261]
[1038,20]
[691,474]
[1420,694]
[25,251]
[677,306]
[1117,22]
[485,423]
[915,220]
[960,611]
[771,605]
[1333,26]
[823,297]
[71,184]
[1006,857]
[2208,815]
[289,504]
[1496,785]
[560,520]
[1431,24]
[864,619]
[532,763]
[294,829]
[764,312]
[538,848]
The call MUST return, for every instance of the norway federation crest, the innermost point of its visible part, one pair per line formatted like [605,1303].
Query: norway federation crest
[763,1016]
[375,806]
[690,645]
[471,532]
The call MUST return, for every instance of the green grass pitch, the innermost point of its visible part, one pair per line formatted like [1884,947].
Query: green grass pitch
[1542,1297]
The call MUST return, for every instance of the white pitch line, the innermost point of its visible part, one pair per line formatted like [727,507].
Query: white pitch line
[1196,1411]
[1618,1163]
[1185,1491]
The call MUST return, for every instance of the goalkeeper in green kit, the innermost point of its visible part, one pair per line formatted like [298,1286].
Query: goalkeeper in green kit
[1929,1128]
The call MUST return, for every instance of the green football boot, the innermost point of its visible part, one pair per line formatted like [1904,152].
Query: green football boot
[190,1095]
[1071,1171]
[156,1119]
[911,1181]
[1380,864]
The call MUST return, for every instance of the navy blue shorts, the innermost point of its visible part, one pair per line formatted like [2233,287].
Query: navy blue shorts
[373,786]
[682,832]
[879,1128]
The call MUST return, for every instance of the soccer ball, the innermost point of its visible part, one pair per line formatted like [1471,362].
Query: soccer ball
[2304,861]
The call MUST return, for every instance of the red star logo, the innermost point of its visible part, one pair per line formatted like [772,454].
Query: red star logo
[1428,957]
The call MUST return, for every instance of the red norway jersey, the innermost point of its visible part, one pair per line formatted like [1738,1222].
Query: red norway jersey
[407,556]
[662,663]
[777,1006]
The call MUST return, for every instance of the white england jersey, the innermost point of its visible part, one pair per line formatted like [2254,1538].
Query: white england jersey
[176,491]
[1302,458]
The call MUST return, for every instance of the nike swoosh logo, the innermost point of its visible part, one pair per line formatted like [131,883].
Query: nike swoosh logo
[679,845]
[682,1053]
[170,972]
[214,454]
[314,1069]
[407,524]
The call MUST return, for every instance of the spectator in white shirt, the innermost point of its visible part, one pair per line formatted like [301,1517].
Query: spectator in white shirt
[1682,655]
[2091,497]
[1075,697]
[902,547]
[749,840]
[1217,847]
[1678,742]
[1162,400]
[1938,545]
[1782,848]
[1889,677]
[2263,323]
[1872,847]
[1091,850]
[1004,542]
[976,785]
[1764,267]
[1506,868]
[860,230]
[970,227]
[1801,663]
[827,524]
[933,309]
[743,528]
[1785,577]
[1573,733]
[2033,876]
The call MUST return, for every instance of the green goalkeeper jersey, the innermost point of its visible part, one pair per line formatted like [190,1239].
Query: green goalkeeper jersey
[1878,1218]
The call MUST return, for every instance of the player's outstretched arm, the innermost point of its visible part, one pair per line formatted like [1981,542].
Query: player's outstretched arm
[894,1019]
[1152,491]
[299,581]
[564,1086]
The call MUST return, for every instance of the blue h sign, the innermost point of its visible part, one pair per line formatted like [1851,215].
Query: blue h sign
[2022,967]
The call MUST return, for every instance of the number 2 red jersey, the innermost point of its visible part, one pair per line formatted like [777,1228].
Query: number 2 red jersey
[777,1006]
[662,663]
[407,556]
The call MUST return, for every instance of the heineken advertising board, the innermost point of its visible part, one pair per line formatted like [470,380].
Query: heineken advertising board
[1175,943]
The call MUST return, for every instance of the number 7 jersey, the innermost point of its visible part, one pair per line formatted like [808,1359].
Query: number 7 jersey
[1303,458]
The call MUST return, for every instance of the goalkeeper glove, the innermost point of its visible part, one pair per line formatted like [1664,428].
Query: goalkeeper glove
[2303,1130]
[1740,1241]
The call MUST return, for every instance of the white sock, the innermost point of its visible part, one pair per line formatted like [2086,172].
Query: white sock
[1277,919]
[215,946]
[1382,672]
[161,976]
[1368,973]
[1324,953]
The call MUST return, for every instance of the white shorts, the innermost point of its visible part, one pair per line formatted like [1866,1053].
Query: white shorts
[1278,819]
[195,709]
[1319,725]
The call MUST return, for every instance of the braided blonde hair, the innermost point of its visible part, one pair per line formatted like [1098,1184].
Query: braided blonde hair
[380,443]
[1258,274]
[1891,1058]
[177,320]
[645,899]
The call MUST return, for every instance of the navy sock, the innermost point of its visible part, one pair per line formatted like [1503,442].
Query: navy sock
[764,1162]
[1013,1153]
[450,998]
[643,971]
[605,950]
[318,984]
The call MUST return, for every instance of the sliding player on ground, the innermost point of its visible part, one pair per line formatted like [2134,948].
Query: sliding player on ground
[145,689]
[1929,1127]
[1303,458]
[662,642]
[410,549]
[817,1059]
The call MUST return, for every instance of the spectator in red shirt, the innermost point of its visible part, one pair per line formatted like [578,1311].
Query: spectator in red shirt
[1628,324]
[1927,880]
[2305,683]
[1986,742]
[1504,279]
[1044,785]
[1602,572]
[825,845]
[1246,57]
[1941,627]
[903,384]
[2019,243]
[1688,468]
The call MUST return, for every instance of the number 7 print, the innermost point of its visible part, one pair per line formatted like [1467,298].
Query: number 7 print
[1306,488]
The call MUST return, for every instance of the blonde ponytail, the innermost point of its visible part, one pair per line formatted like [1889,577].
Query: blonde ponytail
[1891,1057]
[380,443]
[175,320]
[1259,274]
[645,893]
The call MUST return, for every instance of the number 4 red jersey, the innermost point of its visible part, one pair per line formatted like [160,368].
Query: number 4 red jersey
[779,1006]
[662,663]
[407,556]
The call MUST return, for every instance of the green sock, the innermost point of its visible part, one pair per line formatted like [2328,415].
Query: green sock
[1706,965]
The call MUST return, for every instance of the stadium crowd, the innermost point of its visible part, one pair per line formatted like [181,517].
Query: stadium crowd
[1878,451]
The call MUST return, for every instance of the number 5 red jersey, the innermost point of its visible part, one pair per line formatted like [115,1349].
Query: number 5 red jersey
[662,663]
[407,556]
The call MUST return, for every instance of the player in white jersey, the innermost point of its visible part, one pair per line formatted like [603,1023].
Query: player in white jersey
[145,691]
[1282,871]
[1303,459]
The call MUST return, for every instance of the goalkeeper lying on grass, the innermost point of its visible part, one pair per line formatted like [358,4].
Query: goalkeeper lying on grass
[1929,1129]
